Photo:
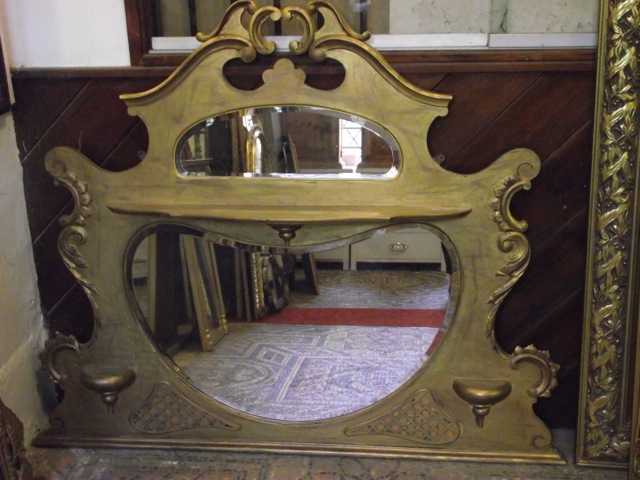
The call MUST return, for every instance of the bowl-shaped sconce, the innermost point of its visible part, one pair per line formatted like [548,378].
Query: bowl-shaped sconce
[109,386]
[481,394]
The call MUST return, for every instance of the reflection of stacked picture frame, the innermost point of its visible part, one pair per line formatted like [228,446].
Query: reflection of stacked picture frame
[173,304]
[205,289]
[261,285]
[251,305]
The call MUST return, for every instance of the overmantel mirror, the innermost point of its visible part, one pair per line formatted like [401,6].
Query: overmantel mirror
[217,322]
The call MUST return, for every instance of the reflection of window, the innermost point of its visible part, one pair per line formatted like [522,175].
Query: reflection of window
[350,144]
[169,25]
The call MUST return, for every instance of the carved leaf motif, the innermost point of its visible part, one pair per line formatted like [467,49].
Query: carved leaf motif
[74,234]
[511,241]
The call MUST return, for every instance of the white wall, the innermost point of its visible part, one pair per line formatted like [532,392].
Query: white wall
[65,33]
[497,16]
[21,326]
[22,333]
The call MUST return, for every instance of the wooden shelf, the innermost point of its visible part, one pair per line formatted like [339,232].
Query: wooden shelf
[287,214]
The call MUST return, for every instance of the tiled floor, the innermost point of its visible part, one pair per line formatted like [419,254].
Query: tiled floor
[117,464]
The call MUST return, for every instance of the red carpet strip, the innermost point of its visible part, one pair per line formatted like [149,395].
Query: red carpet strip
[369,317]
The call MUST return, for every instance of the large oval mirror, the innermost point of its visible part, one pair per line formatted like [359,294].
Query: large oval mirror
[296,337]
[288,142]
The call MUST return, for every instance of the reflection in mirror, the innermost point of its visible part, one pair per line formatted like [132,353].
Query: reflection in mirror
[289,142]
[296,337]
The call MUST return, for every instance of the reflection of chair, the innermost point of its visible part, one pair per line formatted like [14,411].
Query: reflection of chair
[204,282]
[349,162]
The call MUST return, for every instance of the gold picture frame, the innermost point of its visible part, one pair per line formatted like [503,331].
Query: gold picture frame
[609,339]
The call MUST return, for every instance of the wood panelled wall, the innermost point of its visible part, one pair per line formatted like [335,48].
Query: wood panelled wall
[538,100]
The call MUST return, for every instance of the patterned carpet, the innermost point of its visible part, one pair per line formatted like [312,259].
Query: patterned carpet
[423,289]
[307,372]
[310,372]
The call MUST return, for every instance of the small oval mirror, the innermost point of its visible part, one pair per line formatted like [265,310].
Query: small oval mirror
[296,337]
[288,142]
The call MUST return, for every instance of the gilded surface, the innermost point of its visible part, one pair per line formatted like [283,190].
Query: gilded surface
[604,432]
[74,234]
[511,239]
[167,411]
[419,419]
[542,360]
[52,348]
[481,395]
[424,417]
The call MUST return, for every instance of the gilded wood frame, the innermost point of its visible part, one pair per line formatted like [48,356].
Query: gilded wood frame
[611,290]
[121,390]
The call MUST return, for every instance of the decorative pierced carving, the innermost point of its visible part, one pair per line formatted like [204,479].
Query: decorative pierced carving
[419,419]
[13,456]
[231,24]
[74,234]
[542,360]
[166,411]
[511,241]
[286,75]
[52,348]
[258,19]
[607,304]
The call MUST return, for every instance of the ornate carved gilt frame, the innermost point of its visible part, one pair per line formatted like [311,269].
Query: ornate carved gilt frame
[611,310]
[120,390]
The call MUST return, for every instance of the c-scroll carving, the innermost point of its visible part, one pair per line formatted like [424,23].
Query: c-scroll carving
[231,25]
[52,348]
[258,19]
[542,360]
[231,21]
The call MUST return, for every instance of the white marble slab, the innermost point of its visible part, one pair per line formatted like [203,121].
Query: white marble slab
[439,16]
[552,16]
